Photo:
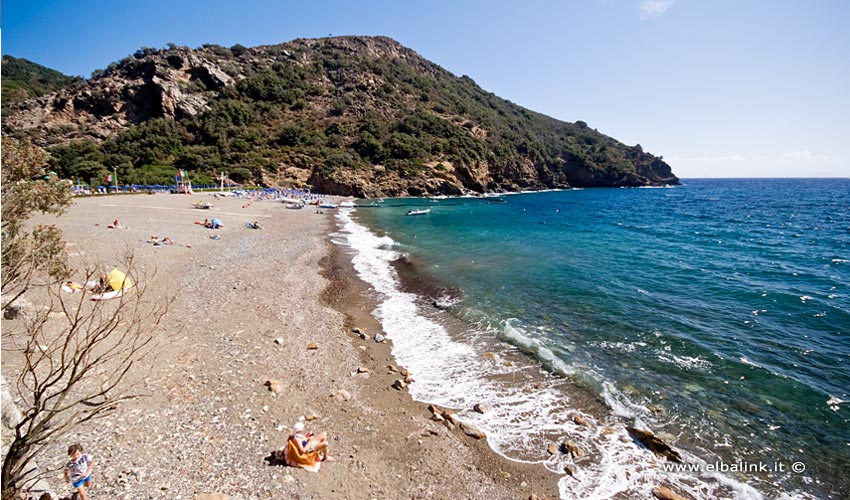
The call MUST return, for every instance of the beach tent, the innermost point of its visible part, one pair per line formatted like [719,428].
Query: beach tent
[119,281]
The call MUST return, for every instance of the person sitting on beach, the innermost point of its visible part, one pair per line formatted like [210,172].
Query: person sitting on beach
[305,450]
[115,225]
[254,225]
[102,284]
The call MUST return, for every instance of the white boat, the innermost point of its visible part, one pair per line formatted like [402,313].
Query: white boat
[298,201]
[419,212]
[327,204]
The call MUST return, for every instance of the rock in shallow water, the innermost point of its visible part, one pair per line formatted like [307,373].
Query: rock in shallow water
[665,493]
[471,430]
[654,443]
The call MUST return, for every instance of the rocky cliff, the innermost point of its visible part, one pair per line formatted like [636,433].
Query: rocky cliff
[349,115]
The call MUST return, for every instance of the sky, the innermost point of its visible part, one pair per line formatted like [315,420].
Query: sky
[719,88]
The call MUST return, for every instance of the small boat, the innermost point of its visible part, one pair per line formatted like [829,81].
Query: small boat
[327,205]
[419,212]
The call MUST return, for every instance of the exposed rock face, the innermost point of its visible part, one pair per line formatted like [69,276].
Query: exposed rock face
[159,85]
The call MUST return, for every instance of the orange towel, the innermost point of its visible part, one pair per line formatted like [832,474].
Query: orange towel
[309,461]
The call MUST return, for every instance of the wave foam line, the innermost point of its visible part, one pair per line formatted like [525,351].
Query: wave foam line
[452,374]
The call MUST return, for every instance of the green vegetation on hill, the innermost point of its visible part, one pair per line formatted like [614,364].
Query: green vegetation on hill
[350,115]
[23,79]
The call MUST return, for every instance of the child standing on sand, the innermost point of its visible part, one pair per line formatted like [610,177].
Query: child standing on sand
[78,469]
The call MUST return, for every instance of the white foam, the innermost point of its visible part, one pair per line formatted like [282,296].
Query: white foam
[748,362]
[621,347]
[517,336]
[689,363]
[834,403]
[620,404]
[455,375]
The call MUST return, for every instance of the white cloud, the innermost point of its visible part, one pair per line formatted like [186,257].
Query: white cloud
[804,155]
[795,155]
[654,8]
[793,164]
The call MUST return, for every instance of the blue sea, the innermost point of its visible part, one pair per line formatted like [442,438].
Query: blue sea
[715,314]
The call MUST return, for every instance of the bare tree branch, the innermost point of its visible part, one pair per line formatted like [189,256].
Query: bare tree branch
[63,347]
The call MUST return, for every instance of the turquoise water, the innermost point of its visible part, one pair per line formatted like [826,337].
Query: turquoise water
[717,312]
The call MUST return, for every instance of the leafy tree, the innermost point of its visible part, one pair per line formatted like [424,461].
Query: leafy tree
[402,146]
[370,148]
[239,50]
[28,188]
[240,175]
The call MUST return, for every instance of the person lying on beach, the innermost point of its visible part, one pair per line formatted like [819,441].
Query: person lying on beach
[213,224]
[115,225]
[70,286]
[157,242]
[254,225]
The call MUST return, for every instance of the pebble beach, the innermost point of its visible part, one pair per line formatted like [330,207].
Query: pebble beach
[267,327]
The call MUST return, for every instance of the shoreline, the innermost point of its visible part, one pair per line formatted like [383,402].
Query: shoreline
[250,304]
[356,306]
[605,442]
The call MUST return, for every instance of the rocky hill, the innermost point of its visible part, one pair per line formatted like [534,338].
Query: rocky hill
[361,116]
